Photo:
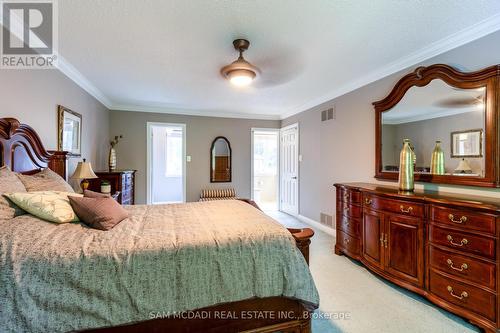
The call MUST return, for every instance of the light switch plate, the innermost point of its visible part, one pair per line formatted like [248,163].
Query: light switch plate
[300,158]
[188,158]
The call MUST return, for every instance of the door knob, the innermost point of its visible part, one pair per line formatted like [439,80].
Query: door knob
[294,177]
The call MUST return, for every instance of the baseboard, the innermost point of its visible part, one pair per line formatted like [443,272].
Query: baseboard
[316,224]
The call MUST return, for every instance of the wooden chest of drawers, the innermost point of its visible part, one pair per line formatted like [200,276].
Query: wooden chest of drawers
[122,181]
[444,247]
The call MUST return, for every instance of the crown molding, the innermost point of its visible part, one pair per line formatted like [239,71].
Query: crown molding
[190,112]
[462,37]
[72,73]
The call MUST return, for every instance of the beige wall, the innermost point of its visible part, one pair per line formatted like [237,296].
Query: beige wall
[423,135]
[32,97]
[200,131]
[343,149]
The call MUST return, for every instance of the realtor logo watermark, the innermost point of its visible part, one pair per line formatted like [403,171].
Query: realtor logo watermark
[29,34]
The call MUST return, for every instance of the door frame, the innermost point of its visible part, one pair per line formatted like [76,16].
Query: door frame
[297,212]
[149,125]
[278,188]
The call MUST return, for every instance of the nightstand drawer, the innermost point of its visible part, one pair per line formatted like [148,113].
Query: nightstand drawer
[351,210]
[348,243]
[394,206]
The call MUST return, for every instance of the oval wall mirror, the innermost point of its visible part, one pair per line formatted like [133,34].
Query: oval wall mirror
[220,160]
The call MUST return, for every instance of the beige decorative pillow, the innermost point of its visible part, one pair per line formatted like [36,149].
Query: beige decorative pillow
[51,206]
[9,183]
[45,180]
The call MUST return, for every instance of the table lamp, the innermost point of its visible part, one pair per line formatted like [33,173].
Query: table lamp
[84,172]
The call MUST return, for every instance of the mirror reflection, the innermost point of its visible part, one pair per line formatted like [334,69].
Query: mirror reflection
[220,165]
[440,121]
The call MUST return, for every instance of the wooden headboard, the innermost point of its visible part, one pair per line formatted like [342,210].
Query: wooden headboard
[22,150]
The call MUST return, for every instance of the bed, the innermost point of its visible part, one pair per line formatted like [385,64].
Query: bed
[240,271]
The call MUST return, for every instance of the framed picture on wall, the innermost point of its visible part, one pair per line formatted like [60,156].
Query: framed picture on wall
[69,131]
[467,143]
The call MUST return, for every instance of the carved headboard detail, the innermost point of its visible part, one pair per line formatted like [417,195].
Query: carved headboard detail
[22,150]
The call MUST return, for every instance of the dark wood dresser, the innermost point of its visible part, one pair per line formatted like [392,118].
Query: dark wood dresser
[122,181]
[442,246]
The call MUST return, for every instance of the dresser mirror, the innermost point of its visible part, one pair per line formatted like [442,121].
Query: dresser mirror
[440,109]
[220,160]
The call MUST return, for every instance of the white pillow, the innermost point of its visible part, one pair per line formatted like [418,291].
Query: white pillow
[51,206]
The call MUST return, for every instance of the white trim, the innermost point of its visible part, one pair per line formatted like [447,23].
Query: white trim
[443,45]
[73,74]
[190,112]
[275,130]
[297,167]
[316,224]
[148,157]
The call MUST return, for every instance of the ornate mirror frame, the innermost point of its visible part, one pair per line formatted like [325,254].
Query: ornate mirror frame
[489,78]
[212,178]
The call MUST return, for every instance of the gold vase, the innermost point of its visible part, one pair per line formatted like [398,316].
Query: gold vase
[407,160]
[112,159]
[437,160]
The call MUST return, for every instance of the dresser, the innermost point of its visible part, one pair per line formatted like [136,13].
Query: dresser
[122,181]
[442,246]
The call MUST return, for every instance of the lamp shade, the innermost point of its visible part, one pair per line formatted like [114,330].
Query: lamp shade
[84,171]
[463,167]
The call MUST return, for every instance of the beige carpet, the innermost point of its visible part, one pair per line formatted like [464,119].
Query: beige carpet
[366,302]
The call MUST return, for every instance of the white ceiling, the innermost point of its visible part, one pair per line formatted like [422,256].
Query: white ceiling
[165,56]
[435,100]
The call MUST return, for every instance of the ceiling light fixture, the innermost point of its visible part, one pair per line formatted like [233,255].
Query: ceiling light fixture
[240,72]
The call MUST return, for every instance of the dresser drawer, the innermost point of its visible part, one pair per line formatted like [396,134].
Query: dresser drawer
[351,210]
[350,196]
[464,219]
[349,225]
[462,266]
[348,243]
[463,295]
[462,241]
[394,206]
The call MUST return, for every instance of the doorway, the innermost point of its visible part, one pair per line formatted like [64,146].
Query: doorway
[166,159]
[289,169]
[265,168]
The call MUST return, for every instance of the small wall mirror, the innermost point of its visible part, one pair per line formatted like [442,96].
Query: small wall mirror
[220,161]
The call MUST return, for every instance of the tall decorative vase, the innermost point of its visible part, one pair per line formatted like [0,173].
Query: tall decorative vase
[437,160]
[407,160]
[112,159]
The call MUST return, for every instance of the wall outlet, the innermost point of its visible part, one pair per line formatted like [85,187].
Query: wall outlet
[188,158]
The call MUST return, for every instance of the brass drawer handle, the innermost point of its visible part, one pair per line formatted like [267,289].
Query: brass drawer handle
[346,208]
[463,295]
[346,240]
[347,223]
[408,210]
[368,201]
[346,197]
[463,219]
[463,242]
[463,267]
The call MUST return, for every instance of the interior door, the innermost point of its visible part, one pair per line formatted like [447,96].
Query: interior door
[373,238]
[289,161]
[405,249]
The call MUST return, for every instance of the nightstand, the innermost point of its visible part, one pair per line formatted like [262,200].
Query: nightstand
[121,181]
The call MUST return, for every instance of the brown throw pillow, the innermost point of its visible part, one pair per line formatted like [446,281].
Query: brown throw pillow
[45,180]
[92,194]
[98,213]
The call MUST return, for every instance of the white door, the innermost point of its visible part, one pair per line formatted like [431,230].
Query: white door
[265,167]
[289,175]
[166,159]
